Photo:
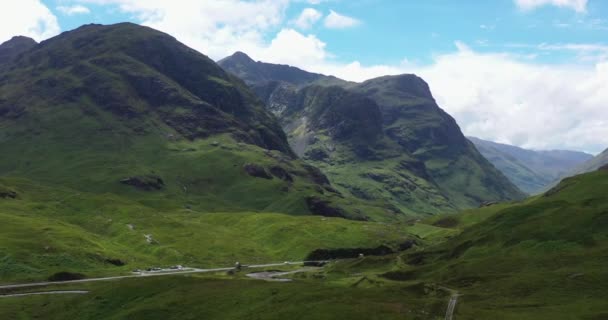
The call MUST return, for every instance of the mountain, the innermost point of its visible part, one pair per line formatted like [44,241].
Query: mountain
[128,110]
[384,141]
[592,164]
[123,149]
[253,72]
[14,47]
[532,171]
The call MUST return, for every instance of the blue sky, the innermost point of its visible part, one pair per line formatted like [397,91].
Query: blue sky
[532,73]
[390,31]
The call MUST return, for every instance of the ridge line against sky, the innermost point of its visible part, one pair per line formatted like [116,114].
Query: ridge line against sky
[531,73]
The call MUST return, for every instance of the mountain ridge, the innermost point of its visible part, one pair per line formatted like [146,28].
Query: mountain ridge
[412,165]
[126,109]
[531,170]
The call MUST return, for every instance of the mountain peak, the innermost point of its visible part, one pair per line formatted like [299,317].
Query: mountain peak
[19,40]
[242,66]
[14,47]
[406,83]
[241,57]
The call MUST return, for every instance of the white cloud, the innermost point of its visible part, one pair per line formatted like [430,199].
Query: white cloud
[497,97]
[294,48]
[335,20]
[28,18]
[307,18]
[72,10]
[216,28]
[576,5]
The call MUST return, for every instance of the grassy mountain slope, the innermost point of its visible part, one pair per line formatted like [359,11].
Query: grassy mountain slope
[543,258]
[532,171]
[540,259]
[384,141]
[128,110]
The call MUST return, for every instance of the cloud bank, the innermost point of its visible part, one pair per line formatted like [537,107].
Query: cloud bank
[28,18]
[576,5]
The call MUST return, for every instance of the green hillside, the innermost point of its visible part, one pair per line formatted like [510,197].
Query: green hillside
[543,258]
[540,259]
[383,141]
[51,229]
[128,110]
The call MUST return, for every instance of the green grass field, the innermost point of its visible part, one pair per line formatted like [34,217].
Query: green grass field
[47,230]
[194,297]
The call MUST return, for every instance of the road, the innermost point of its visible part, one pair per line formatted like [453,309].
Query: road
[44,293]
[449,315]
[276,275]
[146,274]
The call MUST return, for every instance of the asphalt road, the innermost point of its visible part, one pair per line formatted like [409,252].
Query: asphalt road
[164,272]
[43,293]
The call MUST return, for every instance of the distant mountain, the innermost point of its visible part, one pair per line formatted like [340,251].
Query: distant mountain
[592,164]
[128,110]
[532,171]
[14,47]
[384,140]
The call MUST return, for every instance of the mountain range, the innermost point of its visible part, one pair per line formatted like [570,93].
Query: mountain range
[531,170]
[124,152]
[592,164]
[385,140]
[128,109]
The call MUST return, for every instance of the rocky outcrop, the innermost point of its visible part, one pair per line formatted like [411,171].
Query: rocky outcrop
[145,182]
[348,253]
[257,171]
[281,173]
[6,193]
[321,207]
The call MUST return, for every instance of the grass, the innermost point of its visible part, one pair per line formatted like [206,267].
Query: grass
[193,297]
[543,258]
[79,232]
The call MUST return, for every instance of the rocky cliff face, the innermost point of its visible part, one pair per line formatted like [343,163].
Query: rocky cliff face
[384,140]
